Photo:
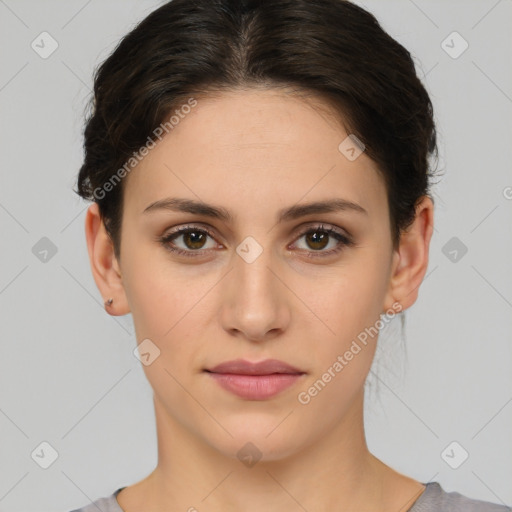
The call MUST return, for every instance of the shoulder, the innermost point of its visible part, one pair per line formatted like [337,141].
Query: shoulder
[105,504]
[435,499]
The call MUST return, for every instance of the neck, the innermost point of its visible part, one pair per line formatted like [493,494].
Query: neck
[336,473]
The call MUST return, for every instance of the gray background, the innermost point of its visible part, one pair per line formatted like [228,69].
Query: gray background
[67,372]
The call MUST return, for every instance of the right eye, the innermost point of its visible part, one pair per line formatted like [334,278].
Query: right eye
[193,239]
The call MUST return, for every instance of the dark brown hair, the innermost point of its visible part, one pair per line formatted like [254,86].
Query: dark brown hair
[333,49]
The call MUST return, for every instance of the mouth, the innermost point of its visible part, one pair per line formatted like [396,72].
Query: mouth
[255,381]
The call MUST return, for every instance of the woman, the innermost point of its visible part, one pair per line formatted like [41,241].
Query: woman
[260,173]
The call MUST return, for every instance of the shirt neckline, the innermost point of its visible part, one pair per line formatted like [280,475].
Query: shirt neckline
[429,488]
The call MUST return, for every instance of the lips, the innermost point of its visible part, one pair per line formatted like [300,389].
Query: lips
[267,367]
[255,381]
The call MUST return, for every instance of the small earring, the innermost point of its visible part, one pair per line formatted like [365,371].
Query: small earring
[109,302]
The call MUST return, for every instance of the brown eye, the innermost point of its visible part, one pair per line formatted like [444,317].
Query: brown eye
[317,239]
[193,241]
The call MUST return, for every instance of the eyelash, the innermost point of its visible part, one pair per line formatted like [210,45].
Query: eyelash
[344,241]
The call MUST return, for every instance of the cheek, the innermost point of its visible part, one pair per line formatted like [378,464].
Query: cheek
[151,303]
[165,314]
[349,298]
[154,288]
[347,306]
[346,339]
[169,305]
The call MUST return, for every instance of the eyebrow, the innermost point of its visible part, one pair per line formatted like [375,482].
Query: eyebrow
[283,215]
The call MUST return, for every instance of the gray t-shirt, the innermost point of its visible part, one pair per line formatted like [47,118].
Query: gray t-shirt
[432,499]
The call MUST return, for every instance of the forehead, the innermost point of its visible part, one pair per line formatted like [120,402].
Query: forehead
[259,149]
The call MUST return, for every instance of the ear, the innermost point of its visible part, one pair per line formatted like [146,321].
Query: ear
[410,259]
[104,265]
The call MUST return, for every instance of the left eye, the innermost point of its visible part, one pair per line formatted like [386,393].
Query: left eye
[194,238]
[319,237]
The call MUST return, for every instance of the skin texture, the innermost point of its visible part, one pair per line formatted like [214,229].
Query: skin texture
[255,152]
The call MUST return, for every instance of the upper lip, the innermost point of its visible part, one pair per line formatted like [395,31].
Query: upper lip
[243,367]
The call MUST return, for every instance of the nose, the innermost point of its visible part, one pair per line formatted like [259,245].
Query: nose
[255,299]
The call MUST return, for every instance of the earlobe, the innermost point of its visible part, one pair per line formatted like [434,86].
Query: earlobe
[410,260]
[104,265]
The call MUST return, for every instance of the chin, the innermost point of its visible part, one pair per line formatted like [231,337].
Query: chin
[259,437]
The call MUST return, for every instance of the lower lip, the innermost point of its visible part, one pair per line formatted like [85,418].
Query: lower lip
[255,387]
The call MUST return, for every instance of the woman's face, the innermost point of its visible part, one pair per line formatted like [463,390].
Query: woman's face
[256,285]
